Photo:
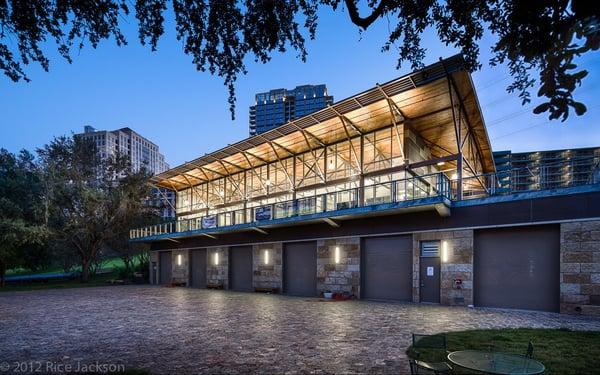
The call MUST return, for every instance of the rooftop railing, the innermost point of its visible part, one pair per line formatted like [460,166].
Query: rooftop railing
[530,179]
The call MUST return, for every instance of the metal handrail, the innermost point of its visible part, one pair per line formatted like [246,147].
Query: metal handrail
[408,189]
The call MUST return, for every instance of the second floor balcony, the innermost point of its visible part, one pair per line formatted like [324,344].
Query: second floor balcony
[420,192]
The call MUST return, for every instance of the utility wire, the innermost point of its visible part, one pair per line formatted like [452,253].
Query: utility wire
[532,126]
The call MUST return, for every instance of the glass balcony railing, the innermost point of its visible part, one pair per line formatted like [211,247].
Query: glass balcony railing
[405,190]
[410,190]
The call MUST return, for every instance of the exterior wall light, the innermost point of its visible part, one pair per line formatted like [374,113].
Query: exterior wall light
[336,255]
[444,251]
[266,256]
[179,259]
[216,259]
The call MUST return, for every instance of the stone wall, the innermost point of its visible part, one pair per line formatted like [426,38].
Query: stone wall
[343,276]
[580,268]
[180,271]
[268,275]
[218,274]
[456,264]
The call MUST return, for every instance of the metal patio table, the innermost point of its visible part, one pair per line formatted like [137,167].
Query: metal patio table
[496,363]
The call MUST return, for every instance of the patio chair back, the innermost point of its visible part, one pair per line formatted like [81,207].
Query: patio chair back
[414,369]
[529,350]
[429,341]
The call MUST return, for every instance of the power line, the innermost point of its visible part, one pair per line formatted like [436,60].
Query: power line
[531,127]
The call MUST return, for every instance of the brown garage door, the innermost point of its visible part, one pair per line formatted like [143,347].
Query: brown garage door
[517,267]
[165,267]
[300,269]
[387,268]
[240,268]
[198,268]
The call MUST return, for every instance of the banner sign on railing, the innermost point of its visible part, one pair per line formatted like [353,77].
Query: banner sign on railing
[263,213]
[209,221]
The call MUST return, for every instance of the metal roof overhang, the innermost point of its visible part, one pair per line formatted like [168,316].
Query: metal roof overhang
[422,97]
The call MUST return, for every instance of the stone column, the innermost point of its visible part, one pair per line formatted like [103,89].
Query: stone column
[180,266]
[342,277]
[217,267]
[268,275]
[580,268]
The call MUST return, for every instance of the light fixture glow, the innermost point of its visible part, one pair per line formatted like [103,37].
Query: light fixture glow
[266,256]
[444,251]
[454,176]
[337,255]
[179,259]
[441,163]
[216,259]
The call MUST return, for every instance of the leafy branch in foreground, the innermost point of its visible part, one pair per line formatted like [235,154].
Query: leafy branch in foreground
[542,38]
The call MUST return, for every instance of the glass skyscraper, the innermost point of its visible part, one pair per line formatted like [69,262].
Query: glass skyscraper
[278,106]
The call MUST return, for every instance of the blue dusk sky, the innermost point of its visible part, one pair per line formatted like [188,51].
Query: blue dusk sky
[162,96]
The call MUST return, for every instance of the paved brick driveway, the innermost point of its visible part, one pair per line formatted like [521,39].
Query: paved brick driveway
[193,331]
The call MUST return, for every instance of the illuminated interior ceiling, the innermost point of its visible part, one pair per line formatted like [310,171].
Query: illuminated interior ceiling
[421,100]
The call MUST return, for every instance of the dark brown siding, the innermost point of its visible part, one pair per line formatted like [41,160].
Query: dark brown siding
[165,267]
[565,207]
[517,267]
[240,268]
[387,268]
[300,268]
[198,268]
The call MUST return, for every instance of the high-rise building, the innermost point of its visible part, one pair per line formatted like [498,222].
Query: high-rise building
[141,153]
[278,106]
[548,169]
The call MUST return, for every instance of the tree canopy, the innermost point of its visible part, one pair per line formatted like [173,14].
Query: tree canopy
[22,233]
[539,40]
[93,201]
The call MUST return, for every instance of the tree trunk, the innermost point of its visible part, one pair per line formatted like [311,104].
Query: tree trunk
[85,270]
[2,273]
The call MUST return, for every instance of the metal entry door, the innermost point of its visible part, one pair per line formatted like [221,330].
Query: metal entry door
[430,279]
[240,268]
[518,267]
[429,272]
[387,268]
[300,269]
[198,268]
[165,267]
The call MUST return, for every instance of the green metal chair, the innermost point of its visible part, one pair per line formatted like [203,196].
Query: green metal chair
[429,342]
[529,353]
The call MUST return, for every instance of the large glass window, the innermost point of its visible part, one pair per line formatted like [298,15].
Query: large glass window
[278,176]
[184,200]
[382,150]
[308,170]
[342,161]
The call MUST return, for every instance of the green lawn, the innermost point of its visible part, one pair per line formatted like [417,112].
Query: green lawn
[561,351]
[110,263]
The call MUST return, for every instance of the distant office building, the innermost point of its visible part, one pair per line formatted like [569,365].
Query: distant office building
[276,107]
[142,154]
[550,169]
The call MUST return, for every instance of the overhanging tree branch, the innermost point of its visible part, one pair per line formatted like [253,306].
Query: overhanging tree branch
[365,22]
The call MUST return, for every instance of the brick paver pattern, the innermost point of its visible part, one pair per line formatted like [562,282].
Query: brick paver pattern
[181,330]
